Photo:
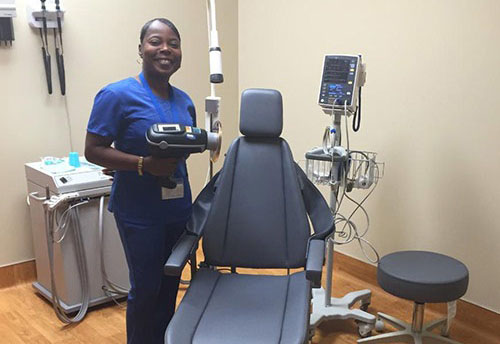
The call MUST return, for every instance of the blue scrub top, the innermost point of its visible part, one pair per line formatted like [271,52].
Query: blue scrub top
[123,112]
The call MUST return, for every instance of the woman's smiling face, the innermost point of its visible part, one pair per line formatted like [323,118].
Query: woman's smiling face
[160,50]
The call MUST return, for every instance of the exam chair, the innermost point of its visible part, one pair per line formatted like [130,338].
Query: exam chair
[252,214]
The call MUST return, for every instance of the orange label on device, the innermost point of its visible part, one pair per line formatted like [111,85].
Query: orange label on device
[188,130]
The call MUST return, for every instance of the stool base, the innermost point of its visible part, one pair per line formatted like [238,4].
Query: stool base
[407,335]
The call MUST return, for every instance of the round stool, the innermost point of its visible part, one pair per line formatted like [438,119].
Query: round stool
[421,277]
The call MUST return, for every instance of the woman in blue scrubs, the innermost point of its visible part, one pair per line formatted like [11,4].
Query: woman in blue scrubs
[149,218]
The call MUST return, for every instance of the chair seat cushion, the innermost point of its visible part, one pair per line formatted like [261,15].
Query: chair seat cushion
[235,308]
[423,276]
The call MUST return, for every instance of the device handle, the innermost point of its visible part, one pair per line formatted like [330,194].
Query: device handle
[46,62]
[60,70]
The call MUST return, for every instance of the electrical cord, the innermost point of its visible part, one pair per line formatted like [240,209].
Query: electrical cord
[68,120]
[349,231]
[356,121]
[353,233]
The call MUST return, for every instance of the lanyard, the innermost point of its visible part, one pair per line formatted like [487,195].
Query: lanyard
[160,110]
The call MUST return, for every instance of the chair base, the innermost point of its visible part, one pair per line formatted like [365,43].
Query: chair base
[340,308]
[406,334]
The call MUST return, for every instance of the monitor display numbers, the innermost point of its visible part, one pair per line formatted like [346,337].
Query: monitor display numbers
[335,88]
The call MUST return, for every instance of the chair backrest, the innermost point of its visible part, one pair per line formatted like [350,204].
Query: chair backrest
[258,218]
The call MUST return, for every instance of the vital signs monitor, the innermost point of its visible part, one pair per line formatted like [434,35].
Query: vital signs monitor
[342,78]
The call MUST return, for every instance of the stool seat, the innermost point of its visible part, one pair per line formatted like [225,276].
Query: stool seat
[423,276]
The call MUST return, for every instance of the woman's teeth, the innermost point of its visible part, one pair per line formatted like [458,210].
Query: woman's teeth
[164,62]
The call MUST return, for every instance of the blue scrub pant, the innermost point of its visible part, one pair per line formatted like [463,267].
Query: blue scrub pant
[152,296]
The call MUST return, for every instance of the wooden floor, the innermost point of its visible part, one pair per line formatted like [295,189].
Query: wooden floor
[25,317]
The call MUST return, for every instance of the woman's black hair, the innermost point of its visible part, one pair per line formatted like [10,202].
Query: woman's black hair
[165,21]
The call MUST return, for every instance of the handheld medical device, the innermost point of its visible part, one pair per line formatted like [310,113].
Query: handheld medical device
[343,169]
[176,141]
[80,261]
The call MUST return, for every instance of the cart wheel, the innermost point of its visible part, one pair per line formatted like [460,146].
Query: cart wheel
[379,325]
[364,329]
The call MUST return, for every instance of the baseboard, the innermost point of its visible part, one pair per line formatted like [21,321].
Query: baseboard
[15,274]
[469,313]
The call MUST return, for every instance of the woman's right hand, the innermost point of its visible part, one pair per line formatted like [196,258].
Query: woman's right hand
[160,166]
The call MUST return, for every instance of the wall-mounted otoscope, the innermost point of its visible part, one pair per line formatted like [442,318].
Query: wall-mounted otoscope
[45,47]
[58,42]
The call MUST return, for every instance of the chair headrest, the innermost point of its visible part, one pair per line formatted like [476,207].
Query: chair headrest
[261,113]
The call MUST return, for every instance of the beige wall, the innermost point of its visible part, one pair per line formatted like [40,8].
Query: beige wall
[101,39]
[430,109]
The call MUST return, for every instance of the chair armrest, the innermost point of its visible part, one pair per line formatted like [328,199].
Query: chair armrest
[183,249]
[314,264]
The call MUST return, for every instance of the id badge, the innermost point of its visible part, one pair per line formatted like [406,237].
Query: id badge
[175,193]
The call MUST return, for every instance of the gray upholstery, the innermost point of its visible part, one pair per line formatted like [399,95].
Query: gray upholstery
[314,267]
[258,208]
[261,113]
[265,310]
[254,215]
[423,276]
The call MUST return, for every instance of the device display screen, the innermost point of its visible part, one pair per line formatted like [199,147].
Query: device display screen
[337,84]
[337,71]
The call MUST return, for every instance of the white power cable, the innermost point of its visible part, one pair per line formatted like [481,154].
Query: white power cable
[68,119]
[349,231]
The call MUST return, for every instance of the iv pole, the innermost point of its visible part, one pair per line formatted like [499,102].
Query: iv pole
[324,306]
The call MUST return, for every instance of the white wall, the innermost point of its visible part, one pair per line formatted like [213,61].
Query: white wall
[430,109]
[100,41]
